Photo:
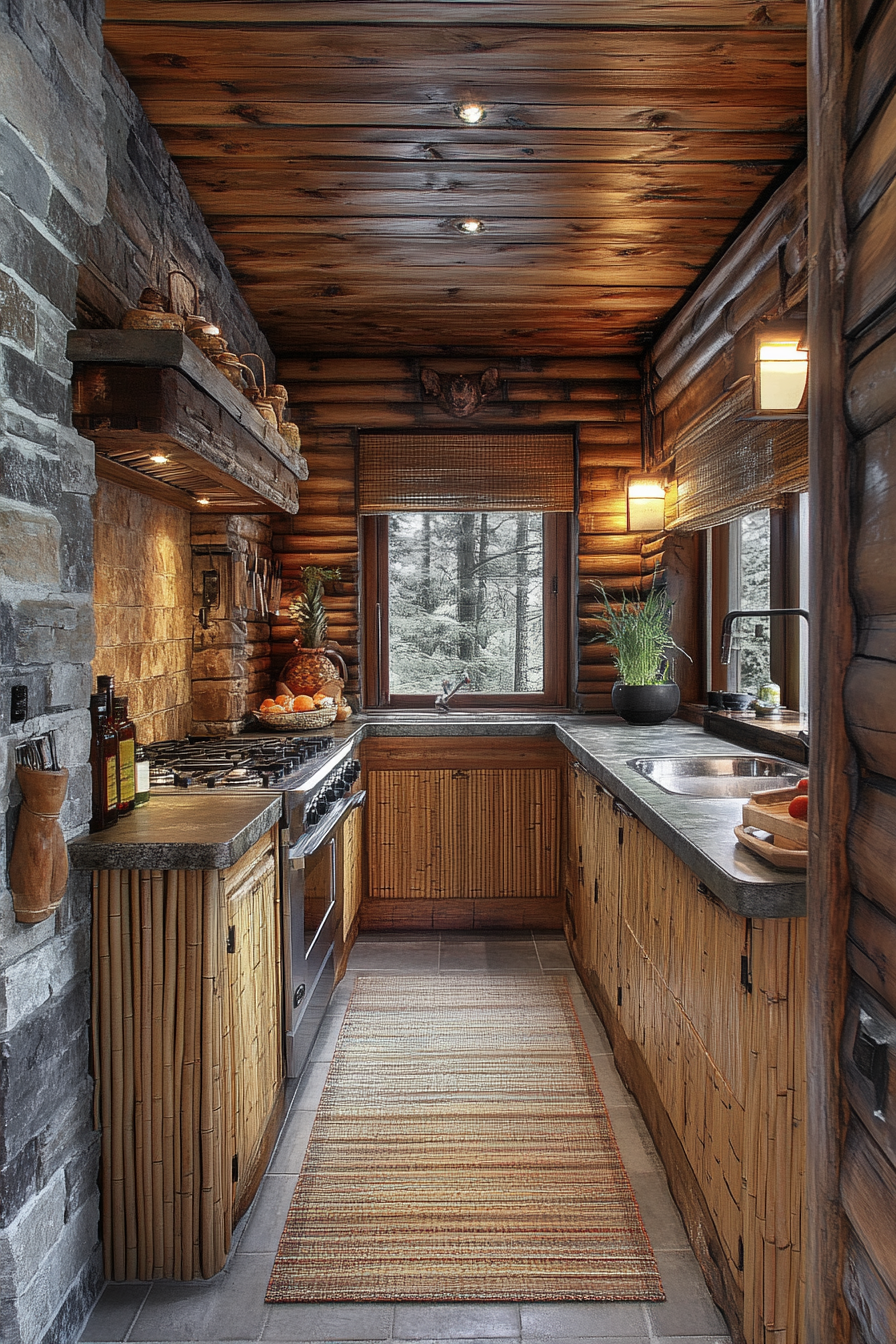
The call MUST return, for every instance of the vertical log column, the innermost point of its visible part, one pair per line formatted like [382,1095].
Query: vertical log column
[831,649]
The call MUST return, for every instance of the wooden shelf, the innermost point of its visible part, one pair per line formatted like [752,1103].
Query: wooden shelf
[145,394]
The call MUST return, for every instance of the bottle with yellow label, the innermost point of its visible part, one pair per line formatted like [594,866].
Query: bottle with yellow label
[103,766]
[127,743]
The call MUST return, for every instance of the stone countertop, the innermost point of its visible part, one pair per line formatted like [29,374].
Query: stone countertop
[699,830]
[212,831]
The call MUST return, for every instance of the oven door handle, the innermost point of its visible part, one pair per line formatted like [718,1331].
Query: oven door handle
[308,845]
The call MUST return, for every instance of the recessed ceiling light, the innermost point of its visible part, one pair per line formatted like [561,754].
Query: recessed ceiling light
[471,113]
[158,457]
[470,225]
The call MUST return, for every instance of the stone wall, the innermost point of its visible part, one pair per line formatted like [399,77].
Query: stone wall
[152,226]
[52,192]
[81,232]
[142,592]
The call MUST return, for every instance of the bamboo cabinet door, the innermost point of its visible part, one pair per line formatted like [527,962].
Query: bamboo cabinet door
[252,916]
[685,1007]
[352,832]
[576,830]
[602,877]
[463,834]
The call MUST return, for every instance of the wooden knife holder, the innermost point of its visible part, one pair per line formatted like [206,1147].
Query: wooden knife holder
[38,869]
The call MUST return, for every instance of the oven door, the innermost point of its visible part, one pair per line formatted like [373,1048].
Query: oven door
[313,910]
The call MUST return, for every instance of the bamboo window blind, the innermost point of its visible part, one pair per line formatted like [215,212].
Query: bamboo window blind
[726,465]
[466,473]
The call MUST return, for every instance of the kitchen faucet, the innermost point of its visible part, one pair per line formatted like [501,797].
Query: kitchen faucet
[443,701]
[732,616]
[728,630]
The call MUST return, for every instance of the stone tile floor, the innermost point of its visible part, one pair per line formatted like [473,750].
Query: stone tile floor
[232,1307]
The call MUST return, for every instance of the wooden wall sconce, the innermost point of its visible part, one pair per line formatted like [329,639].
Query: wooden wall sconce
[38,869]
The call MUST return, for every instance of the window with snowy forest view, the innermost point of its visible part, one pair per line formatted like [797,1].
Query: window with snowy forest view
[472,593]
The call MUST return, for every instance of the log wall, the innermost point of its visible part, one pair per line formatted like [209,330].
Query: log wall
[853,353]
[332,399]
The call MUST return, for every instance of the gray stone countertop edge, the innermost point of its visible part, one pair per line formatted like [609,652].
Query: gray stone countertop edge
[698,830]
[104,849]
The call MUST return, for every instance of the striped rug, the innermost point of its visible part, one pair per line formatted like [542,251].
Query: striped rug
[462,1152]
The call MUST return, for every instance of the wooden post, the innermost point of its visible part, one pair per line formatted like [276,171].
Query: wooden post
[826,1318]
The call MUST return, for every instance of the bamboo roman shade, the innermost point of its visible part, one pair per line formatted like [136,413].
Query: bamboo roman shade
[726,465]
[466,473]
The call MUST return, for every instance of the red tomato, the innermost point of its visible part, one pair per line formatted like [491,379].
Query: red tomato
[802,786]
[799,807]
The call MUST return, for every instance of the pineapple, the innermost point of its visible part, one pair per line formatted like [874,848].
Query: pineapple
[307,609]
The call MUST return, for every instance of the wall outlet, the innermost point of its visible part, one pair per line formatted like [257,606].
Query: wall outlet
[18,704]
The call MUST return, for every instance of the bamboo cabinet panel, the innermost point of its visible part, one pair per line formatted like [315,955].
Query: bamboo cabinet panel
[188,1057]
[470,841]
[705,1010]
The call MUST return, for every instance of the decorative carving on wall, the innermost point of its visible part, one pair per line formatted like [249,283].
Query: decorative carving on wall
[462,394]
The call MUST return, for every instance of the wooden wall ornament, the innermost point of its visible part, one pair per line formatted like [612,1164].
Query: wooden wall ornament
[461,394]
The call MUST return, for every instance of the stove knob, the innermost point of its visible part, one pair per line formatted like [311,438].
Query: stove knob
[331,792]
[355,768]
[311,814]
[323,804]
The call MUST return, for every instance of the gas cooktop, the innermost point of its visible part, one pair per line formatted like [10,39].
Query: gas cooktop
[262,762]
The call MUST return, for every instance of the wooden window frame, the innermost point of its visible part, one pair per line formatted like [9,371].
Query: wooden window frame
[787,635]
[375,625]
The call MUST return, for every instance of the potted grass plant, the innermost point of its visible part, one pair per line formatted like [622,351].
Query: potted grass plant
[639,630]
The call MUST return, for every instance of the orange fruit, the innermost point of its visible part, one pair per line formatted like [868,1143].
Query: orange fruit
[285,701]
[320,698]
[266,704]
[276,709]
[302,704]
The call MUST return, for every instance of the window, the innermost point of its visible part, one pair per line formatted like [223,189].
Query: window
[483,593]
[760,560]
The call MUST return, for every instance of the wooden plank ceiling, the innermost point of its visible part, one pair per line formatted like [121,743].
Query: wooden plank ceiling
[622,144]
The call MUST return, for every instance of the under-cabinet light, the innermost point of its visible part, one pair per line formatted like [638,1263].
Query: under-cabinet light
[470,113]
[203,500]
[470,225]
[782,372]
[158,457]
[646,500]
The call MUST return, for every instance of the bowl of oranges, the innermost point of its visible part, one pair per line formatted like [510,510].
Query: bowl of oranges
[292,712]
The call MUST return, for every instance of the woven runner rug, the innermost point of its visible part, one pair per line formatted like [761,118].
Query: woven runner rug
[462,1152]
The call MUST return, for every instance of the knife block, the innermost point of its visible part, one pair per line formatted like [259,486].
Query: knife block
[38,869]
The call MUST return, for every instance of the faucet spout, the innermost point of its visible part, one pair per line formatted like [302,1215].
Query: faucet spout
[732,616]
[443,701]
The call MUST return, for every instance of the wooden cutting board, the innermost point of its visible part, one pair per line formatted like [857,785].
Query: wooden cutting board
[786,842]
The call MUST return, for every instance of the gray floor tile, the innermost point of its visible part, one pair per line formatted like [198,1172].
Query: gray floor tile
[587,1339]
[329,1321]
[290,1151]
[325,1041]
[456,1320]
[659,1211]
[555,957]
[688,1309]
[637,1151]
[311,1086]
[491,956]
[228,1307]
[594,1320]
[267,1217]
[116,1311]
[411,958]
[691,1339]
[398,936]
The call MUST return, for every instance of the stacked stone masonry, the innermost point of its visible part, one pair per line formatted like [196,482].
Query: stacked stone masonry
[91,210]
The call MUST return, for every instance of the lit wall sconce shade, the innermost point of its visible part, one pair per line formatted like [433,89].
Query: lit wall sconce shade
[646,499]
[782,373]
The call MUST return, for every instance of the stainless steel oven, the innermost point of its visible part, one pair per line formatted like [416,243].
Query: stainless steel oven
[312,913]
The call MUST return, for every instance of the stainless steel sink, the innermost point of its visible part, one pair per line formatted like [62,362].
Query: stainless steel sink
[717,776]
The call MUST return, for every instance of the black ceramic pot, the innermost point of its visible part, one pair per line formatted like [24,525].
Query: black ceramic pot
[646,704]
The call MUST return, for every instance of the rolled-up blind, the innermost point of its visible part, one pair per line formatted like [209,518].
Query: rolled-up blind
[726,465]
[466,473]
